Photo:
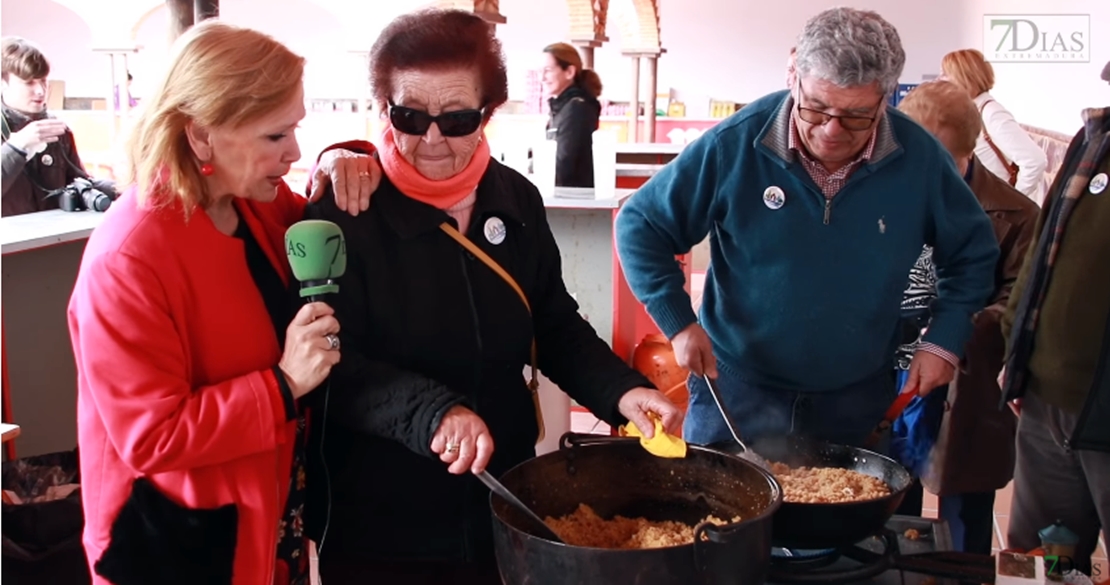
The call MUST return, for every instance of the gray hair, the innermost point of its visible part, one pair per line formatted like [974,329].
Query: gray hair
[850,47]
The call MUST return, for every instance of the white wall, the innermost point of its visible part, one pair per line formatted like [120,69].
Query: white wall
[65,38]
[724,49]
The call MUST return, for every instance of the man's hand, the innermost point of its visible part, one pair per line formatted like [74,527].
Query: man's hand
[355,177]
[928,371]
[693,351]
[37,134]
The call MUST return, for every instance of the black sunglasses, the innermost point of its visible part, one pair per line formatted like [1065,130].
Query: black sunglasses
[451,124]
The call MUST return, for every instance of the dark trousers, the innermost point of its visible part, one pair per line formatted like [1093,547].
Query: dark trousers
[846,415]
[1054,482]
[970,518]
[913,501]
[353,571]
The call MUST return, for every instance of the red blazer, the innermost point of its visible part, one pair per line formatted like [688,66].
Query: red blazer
[174,350]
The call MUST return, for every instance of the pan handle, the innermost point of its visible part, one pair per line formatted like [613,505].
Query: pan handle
[949,565]
[900,403]
[708,535]
[572,440]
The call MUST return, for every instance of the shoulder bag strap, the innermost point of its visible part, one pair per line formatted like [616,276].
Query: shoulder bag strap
[533,384]
[997,151]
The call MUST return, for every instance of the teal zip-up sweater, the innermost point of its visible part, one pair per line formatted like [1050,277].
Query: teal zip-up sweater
[807,297]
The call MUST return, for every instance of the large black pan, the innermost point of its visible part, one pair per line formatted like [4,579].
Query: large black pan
[822,526]
[616,475]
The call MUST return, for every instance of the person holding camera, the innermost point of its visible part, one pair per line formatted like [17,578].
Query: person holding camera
[39,154]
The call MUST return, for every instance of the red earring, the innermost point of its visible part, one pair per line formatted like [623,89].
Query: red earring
[207,169]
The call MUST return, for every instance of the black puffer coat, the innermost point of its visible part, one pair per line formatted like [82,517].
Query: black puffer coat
[575,114]
[425,326]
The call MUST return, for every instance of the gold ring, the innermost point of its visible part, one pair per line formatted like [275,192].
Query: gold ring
[452,447]
[364,174]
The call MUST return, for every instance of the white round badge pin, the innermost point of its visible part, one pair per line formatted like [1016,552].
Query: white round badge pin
[494,230]
[47,160]
[1098,183]
[773,197]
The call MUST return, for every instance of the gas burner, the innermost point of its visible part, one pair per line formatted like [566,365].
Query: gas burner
[795,559]
[865,560]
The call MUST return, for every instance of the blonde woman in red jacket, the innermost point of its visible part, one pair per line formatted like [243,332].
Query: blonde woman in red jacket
[190,356]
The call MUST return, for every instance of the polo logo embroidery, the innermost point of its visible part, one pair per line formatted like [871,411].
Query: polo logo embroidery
[882,226]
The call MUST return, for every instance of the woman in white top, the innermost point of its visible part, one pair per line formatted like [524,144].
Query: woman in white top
[1011,144]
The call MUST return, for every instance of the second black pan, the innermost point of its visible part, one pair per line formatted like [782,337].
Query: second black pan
[823,526]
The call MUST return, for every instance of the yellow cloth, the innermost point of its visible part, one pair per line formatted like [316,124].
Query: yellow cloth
[661,444]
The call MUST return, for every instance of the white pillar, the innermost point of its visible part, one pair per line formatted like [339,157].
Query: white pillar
[649,106]
[634,129]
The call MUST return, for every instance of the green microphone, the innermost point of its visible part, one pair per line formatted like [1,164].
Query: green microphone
[318,255]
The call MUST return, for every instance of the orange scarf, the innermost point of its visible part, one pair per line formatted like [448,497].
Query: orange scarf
[440,194]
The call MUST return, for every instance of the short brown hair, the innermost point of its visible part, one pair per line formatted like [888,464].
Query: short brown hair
[968,69]
[220,75]
[947,112]
[23,59]
[440,39]
[566,56]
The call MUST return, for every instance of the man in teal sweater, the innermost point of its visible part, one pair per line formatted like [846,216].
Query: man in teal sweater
[818,201]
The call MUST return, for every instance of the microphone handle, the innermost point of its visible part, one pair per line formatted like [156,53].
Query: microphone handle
[317,290]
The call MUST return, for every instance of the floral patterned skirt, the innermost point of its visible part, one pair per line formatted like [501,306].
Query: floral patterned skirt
[292,549]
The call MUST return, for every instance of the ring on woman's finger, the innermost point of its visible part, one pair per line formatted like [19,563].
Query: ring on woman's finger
[333,341]
[363,174]
[452,447]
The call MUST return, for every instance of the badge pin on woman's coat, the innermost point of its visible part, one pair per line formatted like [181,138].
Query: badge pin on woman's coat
[1098,183]
[494,230]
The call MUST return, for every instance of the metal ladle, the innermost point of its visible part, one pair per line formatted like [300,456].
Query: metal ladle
[746,452]
[499,489]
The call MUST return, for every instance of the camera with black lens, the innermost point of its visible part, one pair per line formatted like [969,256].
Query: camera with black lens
[85,194]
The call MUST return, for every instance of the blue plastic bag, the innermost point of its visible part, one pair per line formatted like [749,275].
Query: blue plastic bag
[914,433]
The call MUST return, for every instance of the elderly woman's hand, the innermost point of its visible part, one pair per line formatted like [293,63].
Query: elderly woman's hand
[311,348]
[355,176]
[638,402]
[463,440]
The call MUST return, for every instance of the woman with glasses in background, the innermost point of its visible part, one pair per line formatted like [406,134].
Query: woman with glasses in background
[453,287]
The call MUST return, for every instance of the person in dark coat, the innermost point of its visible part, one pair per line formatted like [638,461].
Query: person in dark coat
[1057,329]
[974,453]
[38,153]
[435,341]
[575,112]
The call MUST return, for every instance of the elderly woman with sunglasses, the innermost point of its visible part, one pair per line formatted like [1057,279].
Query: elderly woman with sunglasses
[453,288]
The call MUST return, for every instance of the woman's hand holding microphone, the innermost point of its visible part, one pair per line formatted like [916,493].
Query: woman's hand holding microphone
[311,348]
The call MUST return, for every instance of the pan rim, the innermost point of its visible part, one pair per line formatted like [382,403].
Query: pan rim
[766,515]
[901,470]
